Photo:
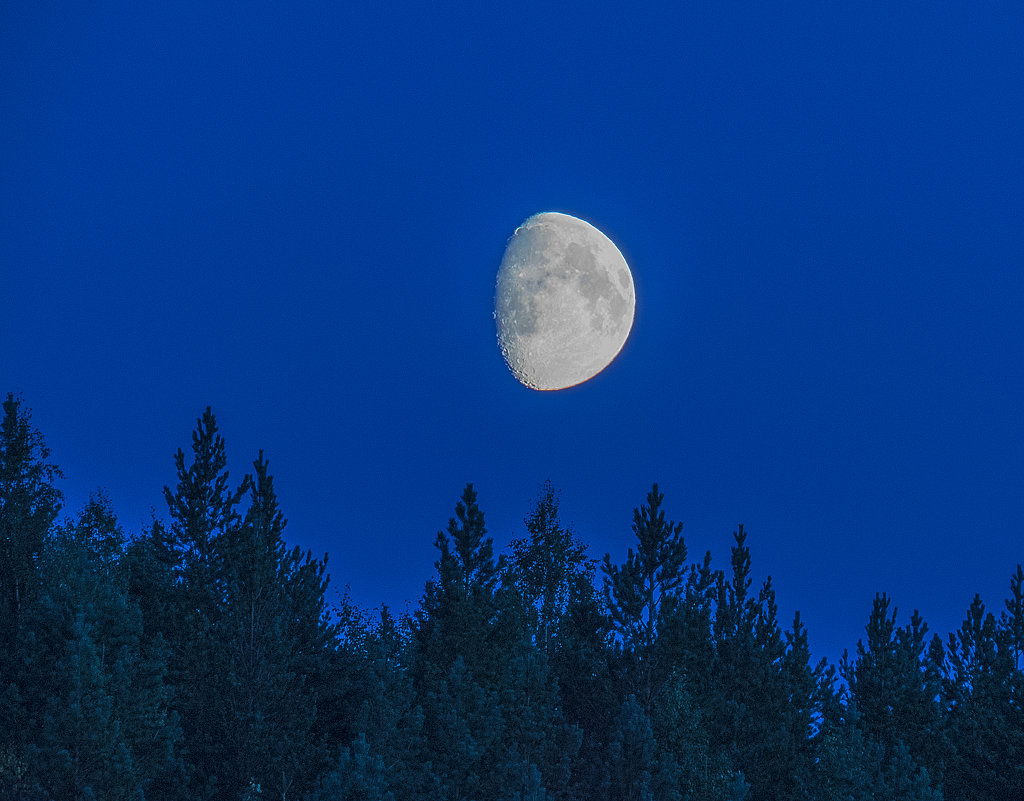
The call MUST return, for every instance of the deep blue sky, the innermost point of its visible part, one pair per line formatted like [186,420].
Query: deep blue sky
[295,212]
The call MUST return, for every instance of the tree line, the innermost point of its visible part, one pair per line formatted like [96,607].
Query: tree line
[200,660]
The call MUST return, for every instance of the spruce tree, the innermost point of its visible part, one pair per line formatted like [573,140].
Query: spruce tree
[457,666]
[582,663]
[680,729]
[685,645]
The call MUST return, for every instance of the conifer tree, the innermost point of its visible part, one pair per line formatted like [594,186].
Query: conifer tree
[388,715]
[895,690]
[203,511]
[1013,618]
[983,714]
[765,697]
[637,592]
[637,768]
[272,648]
[685,645]
[680,729]
[97,719]
[29,504]
[458,615]
[458,665]
[582,663]
[360,775]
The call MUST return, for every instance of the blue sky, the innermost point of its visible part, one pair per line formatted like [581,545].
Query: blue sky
[295,213]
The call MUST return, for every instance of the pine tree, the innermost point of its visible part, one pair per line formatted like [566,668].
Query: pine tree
[388,715]
[582,664]
[637,768]
[685,643]
[475,660]
[361,775]
[983,715]
[680,730]
[93,687]
[637,592]
[273,650]
[29,504]
[203,511]
[765,698]
[462,736]
[458,615]
[895,690]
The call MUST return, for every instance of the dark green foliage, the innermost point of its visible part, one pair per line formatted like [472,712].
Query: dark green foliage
[252,649]
[360,776]
[763,705]
[680,728]
[984,718]
[491,719]
[272,641]
[895,689]
[199,661]
[640,590]
[637,768]
[546,568]
[29,504]
[458,616]
[93,697]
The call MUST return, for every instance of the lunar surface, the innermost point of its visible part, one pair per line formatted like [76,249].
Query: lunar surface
[564,301]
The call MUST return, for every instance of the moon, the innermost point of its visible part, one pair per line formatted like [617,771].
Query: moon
[564,302]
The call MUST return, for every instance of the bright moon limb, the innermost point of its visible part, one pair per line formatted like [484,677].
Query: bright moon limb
[564,301]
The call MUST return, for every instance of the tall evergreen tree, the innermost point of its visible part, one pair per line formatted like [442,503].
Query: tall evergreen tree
[389,716]
[1013,618]
[765,697]
[458,667]
[685,645]
[203,511]
[680,728]
[29,504]
[458,615]
[983,712]
[492,717]
[582,663]
[638,770]
[637,592]
[273,650]
[97,722]
[896,690]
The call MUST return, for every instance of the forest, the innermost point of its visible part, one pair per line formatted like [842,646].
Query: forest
[200,659]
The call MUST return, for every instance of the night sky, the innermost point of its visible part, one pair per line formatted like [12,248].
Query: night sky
[295,213]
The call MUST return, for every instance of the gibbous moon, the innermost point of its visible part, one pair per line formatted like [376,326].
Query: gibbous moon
[564,301]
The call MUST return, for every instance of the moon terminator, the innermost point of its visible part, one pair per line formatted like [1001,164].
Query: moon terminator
[564,301]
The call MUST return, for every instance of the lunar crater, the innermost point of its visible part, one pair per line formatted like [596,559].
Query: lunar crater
[564,302]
